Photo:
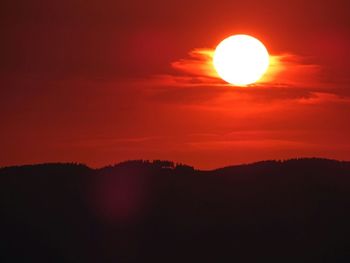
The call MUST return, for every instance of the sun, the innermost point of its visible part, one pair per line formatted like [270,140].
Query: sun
[241,60]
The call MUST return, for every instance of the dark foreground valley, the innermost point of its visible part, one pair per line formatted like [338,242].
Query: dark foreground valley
[139,211]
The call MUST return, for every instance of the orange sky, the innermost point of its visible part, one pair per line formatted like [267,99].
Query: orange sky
[101,82]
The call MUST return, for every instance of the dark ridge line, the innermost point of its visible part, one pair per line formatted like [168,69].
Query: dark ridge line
[282,161]
[152,163]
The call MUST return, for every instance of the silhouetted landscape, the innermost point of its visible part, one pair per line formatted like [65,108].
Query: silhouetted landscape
[141,211]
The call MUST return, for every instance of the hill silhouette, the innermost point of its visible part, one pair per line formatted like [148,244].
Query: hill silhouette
[141,211]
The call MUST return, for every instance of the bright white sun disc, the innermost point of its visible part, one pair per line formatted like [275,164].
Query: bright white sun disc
[241,60]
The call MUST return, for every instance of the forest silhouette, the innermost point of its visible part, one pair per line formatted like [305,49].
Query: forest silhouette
[159,211]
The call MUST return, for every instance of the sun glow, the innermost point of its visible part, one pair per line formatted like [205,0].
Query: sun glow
[241,60]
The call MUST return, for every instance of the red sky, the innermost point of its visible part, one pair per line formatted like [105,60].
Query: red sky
[103,81]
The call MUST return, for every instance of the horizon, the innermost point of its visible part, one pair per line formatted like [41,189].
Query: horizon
[174,163]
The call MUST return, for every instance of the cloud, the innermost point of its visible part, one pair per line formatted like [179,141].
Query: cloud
[291,79]
[285,70]
[243,99]
[323,97]
[292,70]
[199,63]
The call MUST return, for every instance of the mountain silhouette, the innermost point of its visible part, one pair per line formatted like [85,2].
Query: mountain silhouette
[159,211]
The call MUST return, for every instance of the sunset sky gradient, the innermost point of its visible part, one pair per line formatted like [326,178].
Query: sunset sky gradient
[100,82]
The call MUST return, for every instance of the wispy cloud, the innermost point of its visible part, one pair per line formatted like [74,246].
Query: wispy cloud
[292,70]
[285,70]
[291,78]
[198,63]
[324,97]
